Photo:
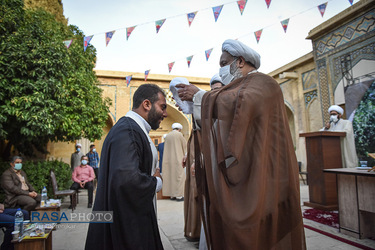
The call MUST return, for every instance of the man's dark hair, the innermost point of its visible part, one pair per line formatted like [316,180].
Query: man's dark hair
[91,146]
[14,158]
[146,91]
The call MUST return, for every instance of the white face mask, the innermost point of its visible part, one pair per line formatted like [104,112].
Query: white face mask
[225,74]
[334,118]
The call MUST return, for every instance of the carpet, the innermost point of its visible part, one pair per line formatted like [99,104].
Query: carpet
[329,218]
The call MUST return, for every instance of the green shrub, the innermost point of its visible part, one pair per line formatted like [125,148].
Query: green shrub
[38,174]
[364,127]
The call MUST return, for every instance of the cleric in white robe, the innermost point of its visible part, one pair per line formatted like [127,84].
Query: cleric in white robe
[338,124]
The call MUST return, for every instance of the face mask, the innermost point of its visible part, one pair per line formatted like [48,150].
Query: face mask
[84,162]
[225,73]
[18,166]
[78,149]
[333,118]
[94,150]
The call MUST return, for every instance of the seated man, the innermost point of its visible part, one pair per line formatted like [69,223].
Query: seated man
[18,191]
[7,221]
[83,175]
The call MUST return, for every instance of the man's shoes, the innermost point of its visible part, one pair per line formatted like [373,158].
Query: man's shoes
[173,198]
[89,205]
[180,199]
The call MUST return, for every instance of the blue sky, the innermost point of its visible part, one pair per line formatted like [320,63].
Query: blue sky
[176,40]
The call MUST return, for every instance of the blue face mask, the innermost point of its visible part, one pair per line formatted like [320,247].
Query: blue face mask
[18,166]
[94,150]
[78,149]
[84,162]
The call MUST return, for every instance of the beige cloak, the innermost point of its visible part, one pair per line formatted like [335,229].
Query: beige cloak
[173,172]
[253,199]
[348,152]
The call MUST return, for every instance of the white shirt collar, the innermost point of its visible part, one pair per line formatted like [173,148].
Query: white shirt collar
[140,121]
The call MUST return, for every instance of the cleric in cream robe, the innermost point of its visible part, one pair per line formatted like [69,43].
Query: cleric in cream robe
[126,183]
[337,124]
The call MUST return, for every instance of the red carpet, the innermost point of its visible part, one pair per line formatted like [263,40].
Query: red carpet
[329,218]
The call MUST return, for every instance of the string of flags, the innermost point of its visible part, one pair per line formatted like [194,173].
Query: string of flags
[190,17]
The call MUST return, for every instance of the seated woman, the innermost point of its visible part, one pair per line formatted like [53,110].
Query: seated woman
[18,191]
[83,177]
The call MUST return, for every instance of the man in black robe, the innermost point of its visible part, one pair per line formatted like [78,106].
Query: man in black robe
[126,185]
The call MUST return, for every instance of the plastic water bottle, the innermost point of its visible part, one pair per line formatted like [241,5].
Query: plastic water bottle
[18,221]
[44,197]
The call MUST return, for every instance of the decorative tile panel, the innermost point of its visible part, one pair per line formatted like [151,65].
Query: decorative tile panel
[309,79]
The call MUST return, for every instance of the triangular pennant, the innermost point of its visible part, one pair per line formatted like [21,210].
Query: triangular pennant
[208,53]
[268,2]
[146,74]
[67,43]
[128,79]
[158,24]
[258,34]
[108,36]
[191,17]
[284,23]
[170,66]
[86,42]
[322,8]
[241,5]
[129,30]
[217,11]
[351,2]
[188,59]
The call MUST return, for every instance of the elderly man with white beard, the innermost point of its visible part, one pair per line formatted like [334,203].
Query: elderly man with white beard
[250,168]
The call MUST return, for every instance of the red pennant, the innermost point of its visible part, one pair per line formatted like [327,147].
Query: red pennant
[258,34]
[241,5]
[170,66]
[268,2]
[322,8]
[284,23]
[86,42]
[147,72]
[128,79]
[129,31]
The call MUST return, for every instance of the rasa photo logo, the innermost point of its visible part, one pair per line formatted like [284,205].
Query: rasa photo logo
[62,217]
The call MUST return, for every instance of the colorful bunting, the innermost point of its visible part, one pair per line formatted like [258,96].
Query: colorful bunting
[158,24]
[170,66]
[268,2]
[128,79]
[188,59]
[208,53]
[217,11]
[129,30]
[241,5]
[284,23]
[191,17]
[108,36]
[146,74]
[351,2]
[258,34]
[86,42]
[322,8]
[67,43]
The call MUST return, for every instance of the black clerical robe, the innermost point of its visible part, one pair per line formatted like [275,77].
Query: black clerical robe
[127,188]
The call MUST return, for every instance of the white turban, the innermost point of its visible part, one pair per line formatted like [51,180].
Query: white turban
[165,135]
[236,48]
[78,145]
[215,78]
[336,108]
[176,125]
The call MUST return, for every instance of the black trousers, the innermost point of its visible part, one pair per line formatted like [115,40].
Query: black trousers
[88,185]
